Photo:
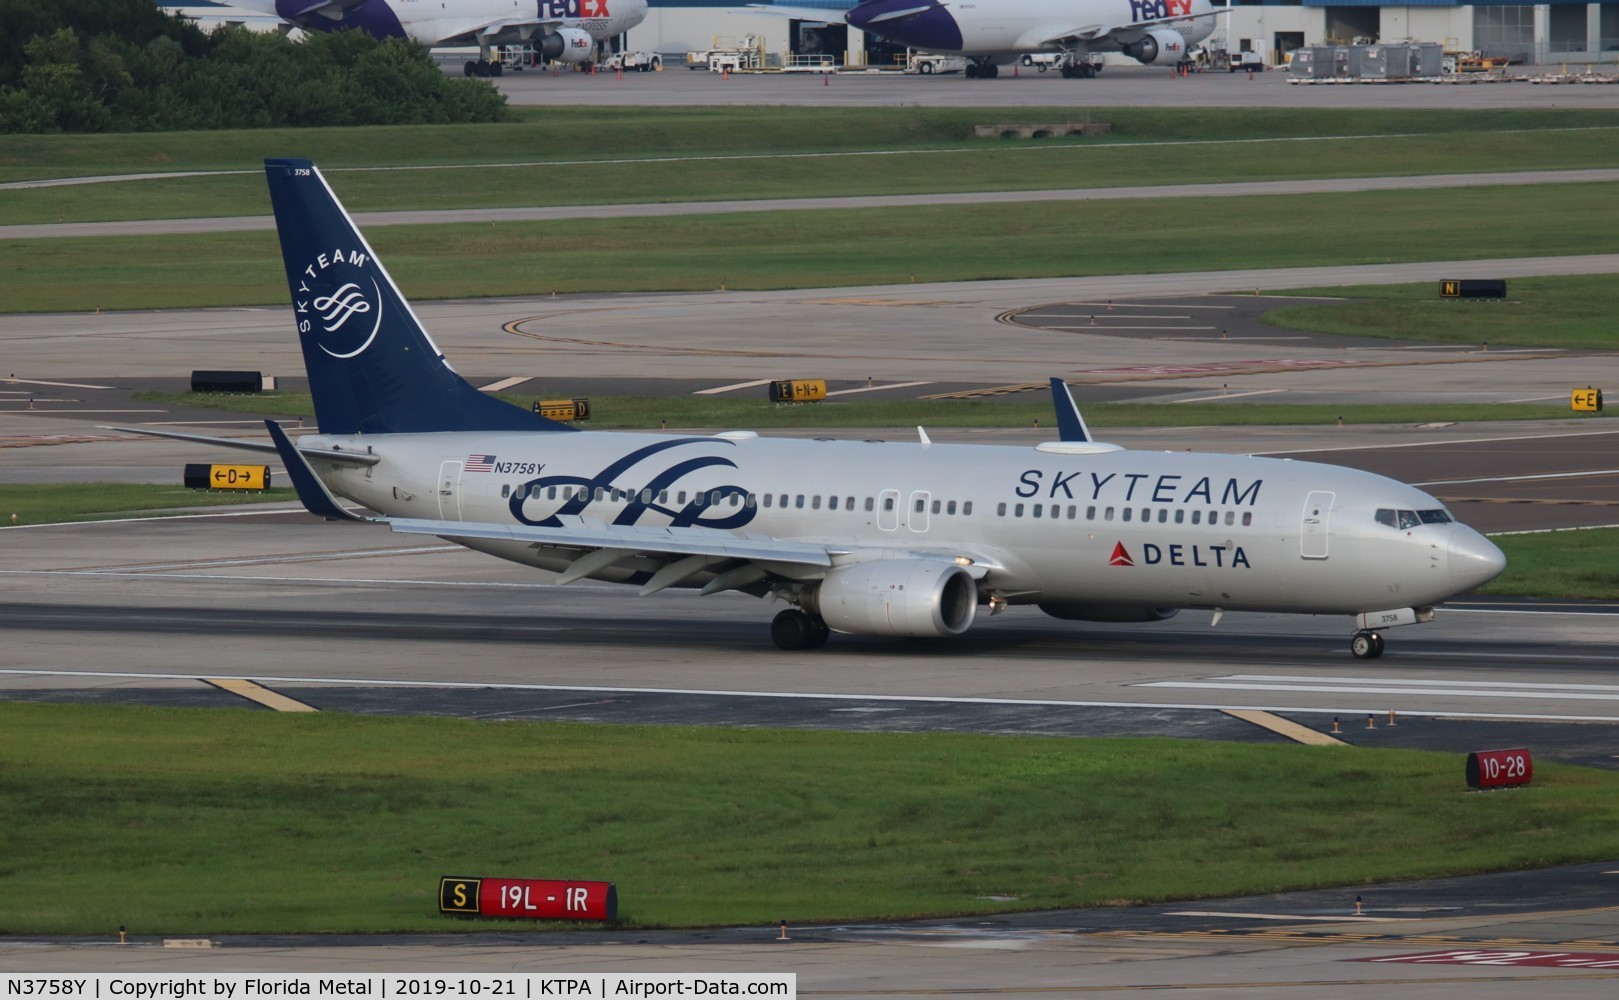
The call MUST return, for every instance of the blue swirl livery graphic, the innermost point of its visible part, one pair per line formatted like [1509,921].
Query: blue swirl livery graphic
[701,511]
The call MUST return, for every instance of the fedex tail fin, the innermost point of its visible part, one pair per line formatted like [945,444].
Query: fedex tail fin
[372,367]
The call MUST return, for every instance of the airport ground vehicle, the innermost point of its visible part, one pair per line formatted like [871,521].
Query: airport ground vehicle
[928,63]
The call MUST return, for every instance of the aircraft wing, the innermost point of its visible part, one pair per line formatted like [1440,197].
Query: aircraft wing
[330,9]
[1092,32]
[808,12]
[738,561]
[340,457]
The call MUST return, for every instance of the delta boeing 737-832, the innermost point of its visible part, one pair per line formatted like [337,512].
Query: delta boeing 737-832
[865,538]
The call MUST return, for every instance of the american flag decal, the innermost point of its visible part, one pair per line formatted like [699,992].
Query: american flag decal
[480,463]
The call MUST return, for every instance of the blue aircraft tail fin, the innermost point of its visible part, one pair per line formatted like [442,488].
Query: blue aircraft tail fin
[1070,425]
[372,368]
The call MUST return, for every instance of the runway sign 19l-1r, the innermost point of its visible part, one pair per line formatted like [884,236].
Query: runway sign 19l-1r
[528,898]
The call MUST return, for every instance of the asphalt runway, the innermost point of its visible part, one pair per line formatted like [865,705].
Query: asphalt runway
[347,618]
[1118,86]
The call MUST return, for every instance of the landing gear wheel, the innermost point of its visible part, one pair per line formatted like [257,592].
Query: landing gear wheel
[795,629]
[495,68]
[470,69]
[971,72]
[989,71]
[1366,645]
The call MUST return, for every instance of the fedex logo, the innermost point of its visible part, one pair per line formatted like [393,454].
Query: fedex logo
[1159,10]
[591,8]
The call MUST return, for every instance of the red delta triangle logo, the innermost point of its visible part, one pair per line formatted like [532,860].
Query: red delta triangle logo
[1120,556]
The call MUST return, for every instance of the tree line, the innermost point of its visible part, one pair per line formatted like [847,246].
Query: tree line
[126,66]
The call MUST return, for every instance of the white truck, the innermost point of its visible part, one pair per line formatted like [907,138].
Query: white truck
[640,62]
[927,63]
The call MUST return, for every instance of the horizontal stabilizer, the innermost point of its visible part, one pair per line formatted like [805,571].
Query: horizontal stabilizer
[311,491]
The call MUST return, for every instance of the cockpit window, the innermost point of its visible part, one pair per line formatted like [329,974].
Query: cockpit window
[1403,519]
[1408,519]
[1434,516]
[1385,516]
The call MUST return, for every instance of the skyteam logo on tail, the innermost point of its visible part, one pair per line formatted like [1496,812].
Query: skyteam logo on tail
[338,303]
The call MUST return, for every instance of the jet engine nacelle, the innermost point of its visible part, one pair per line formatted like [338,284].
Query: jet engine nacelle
[1108,613]
[898,597]
[569,45]
[1159,47]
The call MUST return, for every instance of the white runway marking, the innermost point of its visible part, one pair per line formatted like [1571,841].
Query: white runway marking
[1289,917]
[877,388]
[1497,691]
[64,385]
[506,383]
[1521,479]
[731,388]
[1234,395]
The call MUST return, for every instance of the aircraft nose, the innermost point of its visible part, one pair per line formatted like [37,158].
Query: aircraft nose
[1474,559]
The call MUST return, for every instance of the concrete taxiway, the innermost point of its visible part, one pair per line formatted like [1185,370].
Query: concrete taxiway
[1118,86]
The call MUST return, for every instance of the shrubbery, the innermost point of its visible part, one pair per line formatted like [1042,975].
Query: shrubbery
[123,66]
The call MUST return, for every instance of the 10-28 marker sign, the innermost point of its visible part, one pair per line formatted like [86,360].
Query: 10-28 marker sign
[528,898]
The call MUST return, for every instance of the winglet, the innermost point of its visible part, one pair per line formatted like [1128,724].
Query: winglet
[311,491]
[1070,425]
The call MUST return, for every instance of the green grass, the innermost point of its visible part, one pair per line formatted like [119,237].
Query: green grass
[1583,564]
[575,133]
[54,503]
[678,412]
[1572,311]
[964,166]
[119,816]
[826,249]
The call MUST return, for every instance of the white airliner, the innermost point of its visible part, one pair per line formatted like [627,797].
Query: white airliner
[993,32]
[865,538]
[563,30]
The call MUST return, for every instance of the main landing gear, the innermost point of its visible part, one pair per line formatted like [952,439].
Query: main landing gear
[483,67]
[1366,645]
[798,629]
[981,69]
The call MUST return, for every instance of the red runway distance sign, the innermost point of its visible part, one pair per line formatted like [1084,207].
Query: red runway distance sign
[528,898]
[1499,768]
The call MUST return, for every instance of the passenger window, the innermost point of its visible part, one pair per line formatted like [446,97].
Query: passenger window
[1090,513]
[798,501]
[506,491]
[1127,512]
[699,500]
[888,504]
[1197,516]
[681,500]
[663,496]
[921,505]
[1038,508]
[870,504]
[832,503]
[1180,515]
[848,503]
[815,502]
[736,499]
[752,500]
[936,506]
[1230,518]
[767,499]
[1163,514]
[1107,515]
[781,501]
[1017,511]
[1000,510]
[1247,518]
[646,496]
[600,493]
[1073,512]
[967,508]
[950,507]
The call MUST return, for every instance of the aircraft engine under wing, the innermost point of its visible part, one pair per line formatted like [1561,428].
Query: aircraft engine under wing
[910,597]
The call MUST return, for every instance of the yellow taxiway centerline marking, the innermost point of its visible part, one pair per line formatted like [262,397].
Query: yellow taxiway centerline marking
[1284,727]
[258,693]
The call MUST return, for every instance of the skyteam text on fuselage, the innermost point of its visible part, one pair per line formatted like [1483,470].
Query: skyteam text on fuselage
[563,30]
[867,538]
[1154,32]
